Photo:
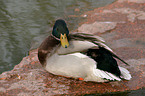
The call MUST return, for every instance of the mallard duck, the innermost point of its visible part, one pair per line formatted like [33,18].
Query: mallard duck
[80,56]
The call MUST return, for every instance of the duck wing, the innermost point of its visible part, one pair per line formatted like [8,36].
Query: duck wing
[98,41]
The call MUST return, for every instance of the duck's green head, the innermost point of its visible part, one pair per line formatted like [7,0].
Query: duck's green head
[60,31]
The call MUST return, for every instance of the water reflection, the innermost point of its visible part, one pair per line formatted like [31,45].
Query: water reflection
[26,21]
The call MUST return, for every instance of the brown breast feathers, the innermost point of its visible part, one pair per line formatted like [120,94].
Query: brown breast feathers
[47,48]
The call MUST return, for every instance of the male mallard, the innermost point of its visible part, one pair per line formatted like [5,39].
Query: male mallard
[79,55]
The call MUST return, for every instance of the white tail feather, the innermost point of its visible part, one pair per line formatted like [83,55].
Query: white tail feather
[125,74]
[106,75]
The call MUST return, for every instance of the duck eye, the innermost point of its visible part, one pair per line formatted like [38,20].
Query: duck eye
[56,29]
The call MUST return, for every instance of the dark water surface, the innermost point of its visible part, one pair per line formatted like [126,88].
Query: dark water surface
[23,23]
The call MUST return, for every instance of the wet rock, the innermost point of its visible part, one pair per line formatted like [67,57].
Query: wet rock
[131,14]
[135,1]
[128,42]
[97,27]
[29,78]
[121,25]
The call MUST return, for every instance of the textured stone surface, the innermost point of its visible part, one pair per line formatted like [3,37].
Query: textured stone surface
[135,1]
[97,27]
[126,38]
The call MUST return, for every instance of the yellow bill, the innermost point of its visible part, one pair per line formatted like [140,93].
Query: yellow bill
[64,41]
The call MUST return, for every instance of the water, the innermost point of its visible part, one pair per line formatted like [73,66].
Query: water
[23,23]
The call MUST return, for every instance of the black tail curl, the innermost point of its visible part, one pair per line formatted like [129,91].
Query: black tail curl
[105,60]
